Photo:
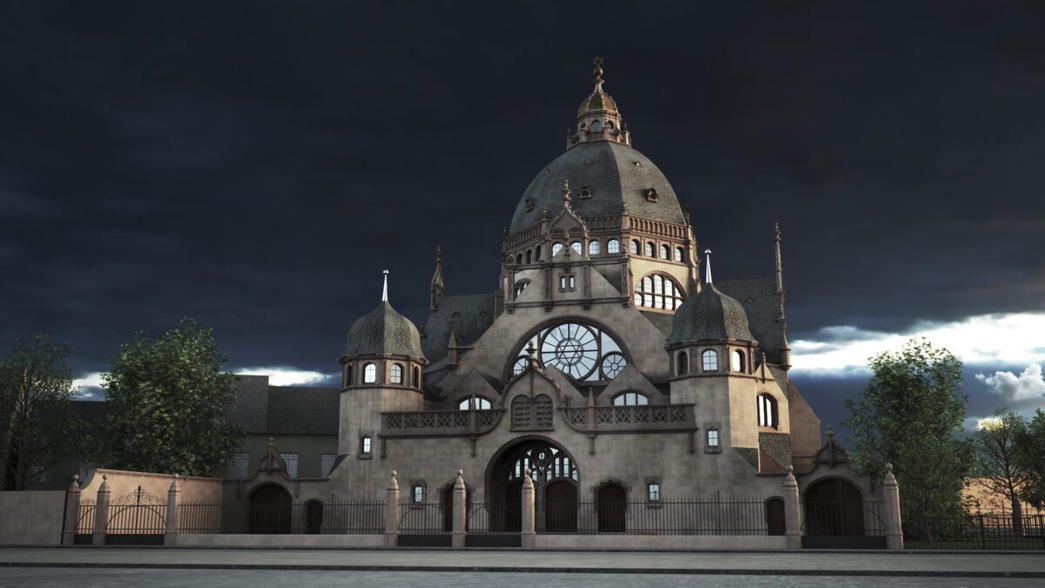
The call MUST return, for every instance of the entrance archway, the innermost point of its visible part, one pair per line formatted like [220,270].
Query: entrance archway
[834,507]
[612,499]
[554,474]
[269,511]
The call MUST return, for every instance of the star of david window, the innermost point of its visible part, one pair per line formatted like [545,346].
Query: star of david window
[583,352]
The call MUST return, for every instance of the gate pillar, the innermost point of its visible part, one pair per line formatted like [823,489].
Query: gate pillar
[792,511]
[101,512]
[529,513]
[170,536]
[392,513]
[459,511]
[893,522]
[72,512]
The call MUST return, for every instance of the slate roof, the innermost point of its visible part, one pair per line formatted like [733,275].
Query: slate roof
[468,317]
[383,331]
[710,315]
[609,170]
[762,304]
[294,410]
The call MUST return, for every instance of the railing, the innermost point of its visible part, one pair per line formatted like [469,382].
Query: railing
[439,422]
[488,518]
[423,518]
[662,517]
[283,518]
[975,531]
[650,416]
[845,519]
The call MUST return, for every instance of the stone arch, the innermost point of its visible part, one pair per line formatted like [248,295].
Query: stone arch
[834,506]
[269,510]
[611,504]
[556,478]
[518,352]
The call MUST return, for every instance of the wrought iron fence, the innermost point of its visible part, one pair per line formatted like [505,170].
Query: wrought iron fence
[845,519]
[490,518]
[282,518]
[424,518]
[662,517]
[84,523]
[975,531]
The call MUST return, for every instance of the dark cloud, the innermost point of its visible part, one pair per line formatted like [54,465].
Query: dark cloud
[256,165]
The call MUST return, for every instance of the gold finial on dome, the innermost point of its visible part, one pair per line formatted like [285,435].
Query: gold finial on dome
[597,62]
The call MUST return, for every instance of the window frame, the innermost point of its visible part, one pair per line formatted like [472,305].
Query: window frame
[709,361]
[370,373]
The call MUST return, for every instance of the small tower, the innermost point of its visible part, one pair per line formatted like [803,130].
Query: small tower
[598,118]
[382,371]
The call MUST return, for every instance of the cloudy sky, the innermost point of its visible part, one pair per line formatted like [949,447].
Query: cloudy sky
[255,165]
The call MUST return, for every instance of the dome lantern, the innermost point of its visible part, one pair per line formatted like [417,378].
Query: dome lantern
[598,118]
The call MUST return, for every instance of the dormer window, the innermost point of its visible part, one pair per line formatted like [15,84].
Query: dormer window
[529,204]
[651,194]
[586,192]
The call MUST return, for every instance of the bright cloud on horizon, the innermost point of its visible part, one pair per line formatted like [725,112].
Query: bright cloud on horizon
[282,376]
[1029,386]
[993,340]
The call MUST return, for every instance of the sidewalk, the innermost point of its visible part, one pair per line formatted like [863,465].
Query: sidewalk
[903,563]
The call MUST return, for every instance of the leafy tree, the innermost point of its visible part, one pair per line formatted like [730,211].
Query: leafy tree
[36,388]
[1001,468]
[1030,444]
[911,414]
[168,398]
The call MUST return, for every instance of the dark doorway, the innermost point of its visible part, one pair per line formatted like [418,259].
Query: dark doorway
[834,507]
[313,517]
[269,511]
[612,506]
[560,507]
[775,516]
[513,506]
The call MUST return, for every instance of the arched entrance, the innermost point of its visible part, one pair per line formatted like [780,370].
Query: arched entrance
[834,507]
[269,511]
[612,499]
[313,517]
[554,474]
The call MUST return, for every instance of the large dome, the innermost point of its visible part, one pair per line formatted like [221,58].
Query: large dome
[383,332]
[710,316]
[613,174]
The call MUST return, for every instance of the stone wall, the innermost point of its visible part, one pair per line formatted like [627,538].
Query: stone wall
[31,518]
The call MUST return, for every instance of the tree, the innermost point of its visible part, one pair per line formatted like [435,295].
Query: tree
[910,415]
[1030,455]
[36,388]
[168,398]
[1001,467]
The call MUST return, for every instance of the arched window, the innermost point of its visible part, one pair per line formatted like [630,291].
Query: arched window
[710,360]
[681,363]
[678,254]
[658,291]
[348,375]
[630,399]
[634,246]
[556,248]
[529,256]
[520,287]
[537,254]
[480,404]
[649,249]
[395,374]
[369,373]
[767,416]
[518,259]
[583,352]
[613,246]
[596,126]
[577,247]
[594,248]
[739,364]
[417,377]
[665,252]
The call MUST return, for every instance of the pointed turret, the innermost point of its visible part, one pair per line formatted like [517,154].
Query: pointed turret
[785,348]
[437,289]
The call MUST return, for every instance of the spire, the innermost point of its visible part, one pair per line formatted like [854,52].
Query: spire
[384,290]
[437,289]
[598,118]
[779,265]
[707,267]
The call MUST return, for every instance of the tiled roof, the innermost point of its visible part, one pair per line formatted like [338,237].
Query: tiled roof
[383,331]
[467,317]
[710,315]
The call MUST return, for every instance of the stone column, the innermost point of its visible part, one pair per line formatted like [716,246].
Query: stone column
[893,522]
[101,512]
[72,512]
[392,513]
[792,511]
[529,513]
[460,512]
[171,535]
